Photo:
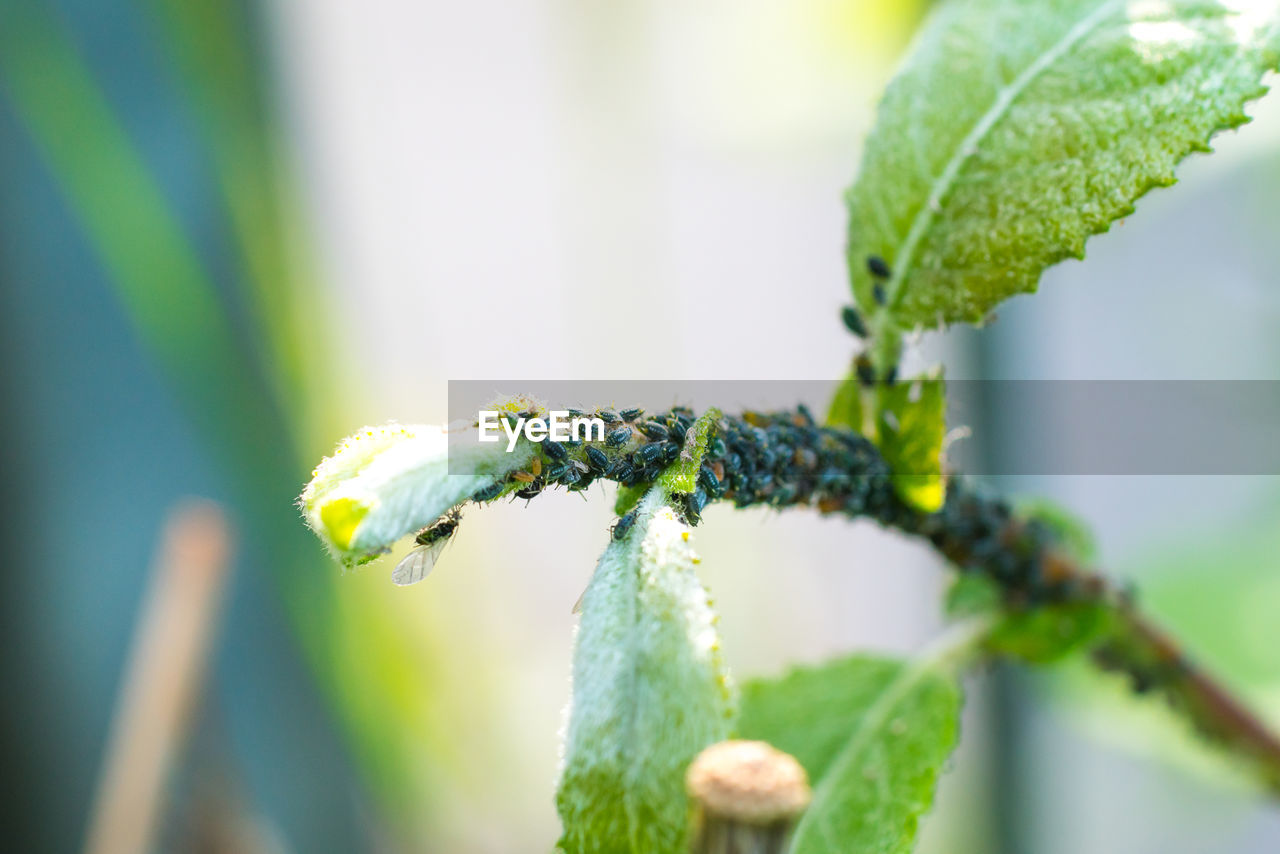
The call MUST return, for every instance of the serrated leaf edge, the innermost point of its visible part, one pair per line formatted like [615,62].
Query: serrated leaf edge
[969,146]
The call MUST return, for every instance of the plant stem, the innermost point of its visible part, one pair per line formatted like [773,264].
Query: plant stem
[784,459]
[748,796]
[1148,654]
[725,836]
[981,534]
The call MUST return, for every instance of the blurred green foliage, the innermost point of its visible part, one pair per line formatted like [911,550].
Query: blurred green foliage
[248,383]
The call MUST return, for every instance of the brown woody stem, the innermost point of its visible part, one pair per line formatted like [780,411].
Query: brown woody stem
[785,459]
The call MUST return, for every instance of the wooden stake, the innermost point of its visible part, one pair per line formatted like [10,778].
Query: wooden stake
[162,677]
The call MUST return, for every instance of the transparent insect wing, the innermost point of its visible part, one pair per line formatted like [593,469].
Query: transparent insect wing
[417,564]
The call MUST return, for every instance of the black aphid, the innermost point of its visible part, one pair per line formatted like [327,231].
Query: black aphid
[853,321]
[694,503]
[654,430]
[597,459]
[649,452]
[441,529]
[531,491]
[866,373]
[488,493]
[617,436]
[623,525]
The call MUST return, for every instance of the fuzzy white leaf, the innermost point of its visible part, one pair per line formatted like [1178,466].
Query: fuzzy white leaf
[649,692]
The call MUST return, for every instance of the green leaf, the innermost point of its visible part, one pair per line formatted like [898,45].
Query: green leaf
[628,497]
[873,734]
[810,711]
[1041,634]
[649,692]
[1073,534]
[911,425]
[682,475]
[1016,130]
[846,408]
[909,428]
[1051,632]
[972,594]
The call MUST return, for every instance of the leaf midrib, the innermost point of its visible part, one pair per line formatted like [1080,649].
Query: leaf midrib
[969,146]
[944,655]
[907,679]
[633,651]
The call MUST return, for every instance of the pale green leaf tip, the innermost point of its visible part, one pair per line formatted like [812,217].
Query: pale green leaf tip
[383,483]
[924,492]
[339,519]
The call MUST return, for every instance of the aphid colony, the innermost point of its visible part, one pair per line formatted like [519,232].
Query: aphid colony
[785,459]
[777,459]
[982,535]
[635,450]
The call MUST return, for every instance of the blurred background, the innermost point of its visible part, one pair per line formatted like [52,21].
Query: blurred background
[232,233]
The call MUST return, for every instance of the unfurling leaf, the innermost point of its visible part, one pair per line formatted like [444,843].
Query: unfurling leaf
[912,424]
[649,692]
[873,734]
[384,483]
[1017,129]
[846,409]
[682,475]
[628,497]
[909,429]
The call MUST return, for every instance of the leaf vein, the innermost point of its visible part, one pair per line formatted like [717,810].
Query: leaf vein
[969,145]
